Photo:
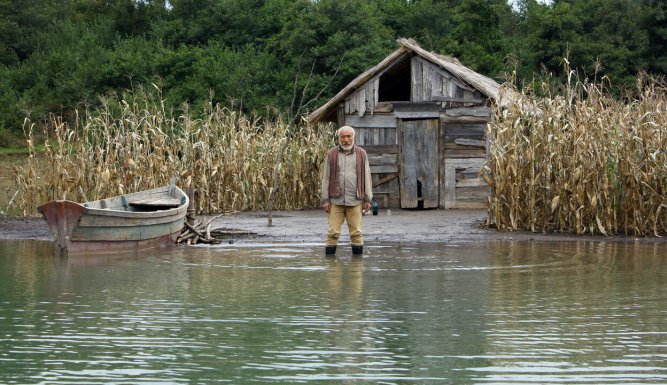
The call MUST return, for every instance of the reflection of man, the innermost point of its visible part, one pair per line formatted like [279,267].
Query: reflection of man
[345,284]
[346,184]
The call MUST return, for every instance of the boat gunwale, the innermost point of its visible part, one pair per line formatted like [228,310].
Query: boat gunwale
[112,212]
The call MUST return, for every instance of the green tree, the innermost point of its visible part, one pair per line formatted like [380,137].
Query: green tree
[56,80]
[551,29]
[470,30]
[610,42]
[476,37]
[235,23]
[229,76]
[333,37]
[21,24]
[655,22]
[55,55]
[598,37]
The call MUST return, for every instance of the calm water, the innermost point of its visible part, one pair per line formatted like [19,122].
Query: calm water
[478,313]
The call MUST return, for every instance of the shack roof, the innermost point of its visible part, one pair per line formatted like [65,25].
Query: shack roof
[483,84]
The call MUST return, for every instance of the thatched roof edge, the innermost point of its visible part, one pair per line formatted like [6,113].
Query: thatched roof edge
[319,113]
[484,84]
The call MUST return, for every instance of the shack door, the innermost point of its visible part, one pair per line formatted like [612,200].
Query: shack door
[418,160]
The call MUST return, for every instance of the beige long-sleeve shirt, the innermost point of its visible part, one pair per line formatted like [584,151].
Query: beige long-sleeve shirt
[347,164]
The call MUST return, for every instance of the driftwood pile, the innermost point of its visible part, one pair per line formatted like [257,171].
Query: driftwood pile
[202,232]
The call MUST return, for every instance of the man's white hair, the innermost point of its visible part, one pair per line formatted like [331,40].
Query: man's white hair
[345,128]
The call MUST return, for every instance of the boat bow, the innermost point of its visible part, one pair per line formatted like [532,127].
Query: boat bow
[62,217]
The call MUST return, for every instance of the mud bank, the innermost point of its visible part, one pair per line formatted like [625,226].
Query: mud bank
[389,226]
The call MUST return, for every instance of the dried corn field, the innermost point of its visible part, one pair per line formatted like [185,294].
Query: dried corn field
[583,162]
[131,143]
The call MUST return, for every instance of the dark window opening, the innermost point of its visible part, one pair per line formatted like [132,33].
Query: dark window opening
[395,83]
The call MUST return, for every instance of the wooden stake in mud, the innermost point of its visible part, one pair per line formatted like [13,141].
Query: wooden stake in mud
[190,216]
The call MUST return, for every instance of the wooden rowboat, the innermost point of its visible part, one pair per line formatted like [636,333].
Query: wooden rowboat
[140,220]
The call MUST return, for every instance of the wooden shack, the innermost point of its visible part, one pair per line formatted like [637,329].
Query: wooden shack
[422,118]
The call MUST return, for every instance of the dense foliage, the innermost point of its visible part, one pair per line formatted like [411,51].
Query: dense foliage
[58,56]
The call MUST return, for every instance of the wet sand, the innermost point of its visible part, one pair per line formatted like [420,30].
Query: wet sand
[310,226]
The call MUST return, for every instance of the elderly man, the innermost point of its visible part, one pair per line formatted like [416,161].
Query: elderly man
[346,187]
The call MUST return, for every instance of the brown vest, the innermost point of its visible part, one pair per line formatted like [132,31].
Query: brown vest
[334,183]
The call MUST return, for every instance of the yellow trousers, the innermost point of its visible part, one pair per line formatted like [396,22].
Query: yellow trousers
[337,215]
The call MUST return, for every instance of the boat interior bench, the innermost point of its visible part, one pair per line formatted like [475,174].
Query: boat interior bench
[154,204]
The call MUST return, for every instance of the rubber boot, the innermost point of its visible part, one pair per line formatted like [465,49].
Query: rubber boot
[357,250]
[330,251]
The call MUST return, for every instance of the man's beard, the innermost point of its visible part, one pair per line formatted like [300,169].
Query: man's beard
[346,148]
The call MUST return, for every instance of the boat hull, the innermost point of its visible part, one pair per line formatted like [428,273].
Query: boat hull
[117,224]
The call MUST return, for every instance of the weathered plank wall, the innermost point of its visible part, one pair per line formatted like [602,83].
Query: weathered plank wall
[432,83]
[365,99]
[460,149]
[377,129]
[418,162]
[463,152]
[383,160]
[376,133]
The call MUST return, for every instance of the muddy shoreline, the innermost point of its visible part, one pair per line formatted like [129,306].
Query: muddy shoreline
[396,226]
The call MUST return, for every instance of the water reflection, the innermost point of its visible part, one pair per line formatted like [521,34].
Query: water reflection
[522,312]
[578,312]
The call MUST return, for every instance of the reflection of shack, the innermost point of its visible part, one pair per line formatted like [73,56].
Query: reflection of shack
[422,119]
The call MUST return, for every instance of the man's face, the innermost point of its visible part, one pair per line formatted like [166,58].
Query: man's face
[346,139]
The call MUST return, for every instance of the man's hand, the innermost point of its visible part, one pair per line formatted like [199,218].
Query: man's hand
[367,206]
[326,206]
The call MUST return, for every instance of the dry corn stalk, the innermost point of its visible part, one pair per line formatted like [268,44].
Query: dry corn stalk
[586,163]
[132,143]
